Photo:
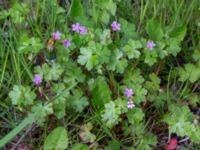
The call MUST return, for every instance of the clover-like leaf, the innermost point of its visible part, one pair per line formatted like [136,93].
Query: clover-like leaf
[29,45]
[190,72]
[135,116]
[87,58]
[50,73]
[85,134]
[179,120]
[22,95]
[111,114]
[150,57]
[77,101]
[132,49]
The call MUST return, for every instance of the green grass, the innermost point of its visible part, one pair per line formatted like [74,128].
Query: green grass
[17,69]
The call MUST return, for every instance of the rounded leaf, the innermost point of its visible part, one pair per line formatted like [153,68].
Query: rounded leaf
[56,140]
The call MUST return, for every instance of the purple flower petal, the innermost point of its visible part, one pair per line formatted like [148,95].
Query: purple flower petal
[116,26]
[128,92]
[75,27]
[130,104]
[66,43]
[57,35]
[83,30]
[37,79]
[150,44]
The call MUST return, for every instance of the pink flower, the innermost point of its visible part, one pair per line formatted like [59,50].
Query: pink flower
[83,30]
[115,26]
[37,79]
[75,27]
[130,104]
[66,43]
[128,92]
[57,35]
[151,44]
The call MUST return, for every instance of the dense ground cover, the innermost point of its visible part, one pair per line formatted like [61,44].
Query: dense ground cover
[99,74]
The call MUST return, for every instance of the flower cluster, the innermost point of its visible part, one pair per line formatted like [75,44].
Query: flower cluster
[79,29]
[129,93]
[57,36]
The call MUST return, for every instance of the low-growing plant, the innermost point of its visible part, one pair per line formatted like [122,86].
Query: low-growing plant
[92,80]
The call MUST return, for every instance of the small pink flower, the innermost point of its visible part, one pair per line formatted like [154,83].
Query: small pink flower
[57,35]
[115,26]
[66,43]
[83,30]
[75,27]
[37,79]
[151,44]
[130,104]
[128,92]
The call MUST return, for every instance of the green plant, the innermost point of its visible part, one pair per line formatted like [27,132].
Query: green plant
[110,72]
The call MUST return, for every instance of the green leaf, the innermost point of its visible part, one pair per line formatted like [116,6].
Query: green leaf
[101,93]
[42,110]
[105,18]
[16,95]
[146,142]
[128,29]
[135,116]
[114,59]
[4,14]
[22,95]
[154,84]
[28,45]
[134,77]
[178,33]
[74,74]
[87,58]
[59,104]
[154,30]
[173,47]
[140,93]
[76,9]
[104,36]
[189,72]
[113,145]
[56,140]
[111,7]
[150,57]
[50,73]
[94,54]
[85,134]
[16,13]
[77,101]
[103,55]
[131,49]
[121,66]
[111,114]
[179,119]
[80,147]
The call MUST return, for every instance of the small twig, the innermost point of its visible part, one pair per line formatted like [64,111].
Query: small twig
[195,86]
[23,136]
[183,140]
[158,68]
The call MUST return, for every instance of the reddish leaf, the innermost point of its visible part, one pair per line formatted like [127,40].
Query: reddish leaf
[172,144]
